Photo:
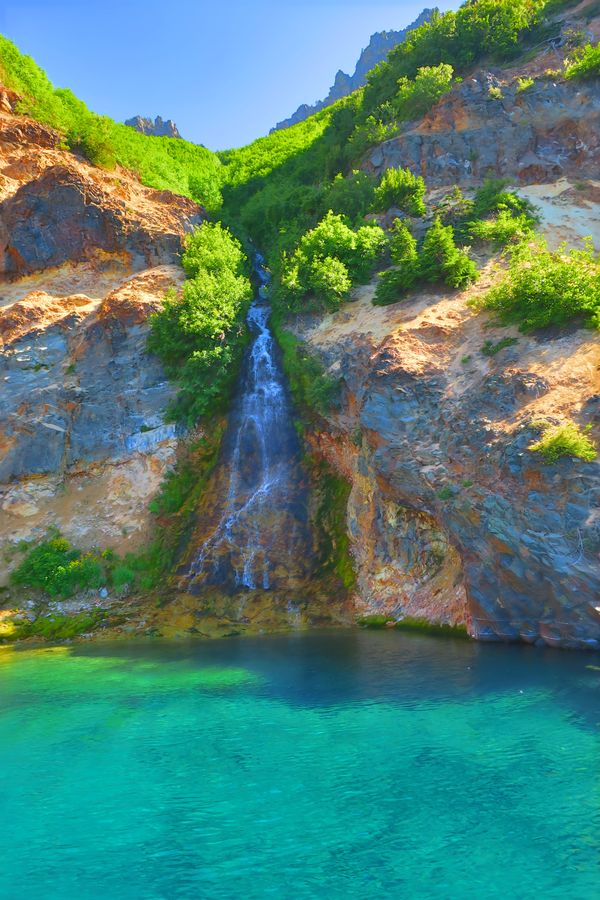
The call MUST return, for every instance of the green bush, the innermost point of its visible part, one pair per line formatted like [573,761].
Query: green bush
[546,287]
[564,440]
[313,389]
[523,84]
[491,349]
[200,333]
[402,189]
[327,261]
[403,246]
[441,260]
[57,568]
[393,284]
[415,97]
[503,229]
[585,63]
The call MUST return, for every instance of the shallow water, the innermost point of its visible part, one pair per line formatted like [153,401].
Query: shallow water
[361,764]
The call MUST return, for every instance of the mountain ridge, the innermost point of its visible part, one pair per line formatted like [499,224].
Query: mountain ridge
[380,44]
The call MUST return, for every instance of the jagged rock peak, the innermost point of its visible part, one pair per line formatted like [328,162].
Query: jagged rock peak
[376,51]
[158,128]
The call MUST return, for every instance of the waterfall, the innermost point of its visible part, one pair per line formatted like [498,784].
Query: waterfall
[258,535]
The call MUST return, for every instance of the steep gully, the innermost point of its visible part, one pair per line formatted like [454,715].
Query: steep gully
[265,497]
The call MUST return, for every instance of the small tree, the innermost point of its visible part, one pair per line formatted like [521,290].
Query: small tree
[399,187]
[442,260]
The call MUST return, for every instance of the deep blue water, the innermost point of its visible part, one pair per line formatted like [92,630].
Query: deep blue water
[336,765]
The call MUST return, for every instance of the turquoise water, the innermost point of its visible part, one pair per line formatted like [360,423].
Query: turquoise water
[365,765]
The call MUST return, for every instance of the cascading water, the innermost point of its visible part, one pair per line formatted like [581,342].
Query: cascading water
[257,538]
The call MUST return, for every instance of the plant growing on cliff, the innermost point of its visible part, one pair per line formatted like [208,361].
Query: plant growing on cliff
[393,284]
[441,260]
[57,568]
[199,334]
[546,287]
[567,439]
[503,229]
[402,189]
[328,260]
[585,63]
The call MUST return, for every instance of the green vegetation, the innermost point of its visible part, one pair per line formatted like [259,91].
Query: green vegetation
[174,509]
[502,230]
[446,493]
[334,544]
[55,567]
[328,260]
[495,93]
[417,625]
[585,63]
[161,162]
[545,287]
[57,627]
[523,84]
[402,189]
[564,440]
[314,391]
[199,334]
[375,620]
[490,348]
[439,260]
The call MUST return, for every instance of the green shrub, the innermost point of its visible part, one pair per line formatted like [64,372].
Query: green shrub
[328,260]
[57,568]
[503,229]
[199,335]
[492,197]
[402,189]
[545,287]
[564,440]
[415,97]
[313,389]
[402,245]
[585,63]
[495,93]
[523,84]
[441,260]
[122,576]
[394,284]
[491,349]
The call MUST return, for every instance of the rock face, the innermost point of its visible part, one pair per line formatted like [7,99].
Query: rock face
[85,257]
[158,128]
[538,135]
[451,516]
[378,48]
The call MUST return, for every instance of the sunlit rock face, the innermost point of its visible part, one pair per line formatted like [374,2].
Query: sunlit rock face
[451,516]
[86,256]
[538,135]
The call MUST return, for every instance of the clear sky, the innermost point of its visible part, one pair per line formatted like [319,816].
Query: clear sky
[226,72]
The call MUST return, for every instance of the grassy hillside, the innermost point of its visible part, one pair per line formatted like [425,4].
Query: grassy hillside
[281,184]
[161,162]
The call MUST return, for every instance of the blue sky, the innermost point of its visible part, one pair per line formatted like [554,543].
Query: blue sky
[225,72]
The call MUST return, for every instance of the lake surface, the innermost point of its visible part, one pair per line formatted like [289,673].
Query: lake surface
[333,765]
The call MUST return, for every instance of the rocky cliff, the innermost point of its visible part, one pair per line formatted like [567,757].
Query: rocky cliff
[85,257]
[375,52]
[451,517]
[158,128]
